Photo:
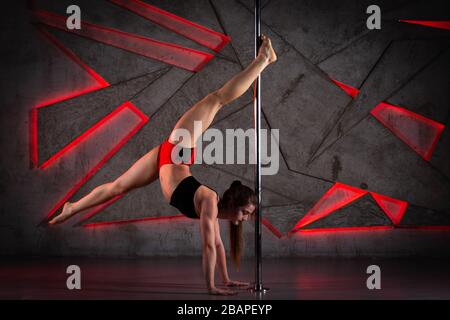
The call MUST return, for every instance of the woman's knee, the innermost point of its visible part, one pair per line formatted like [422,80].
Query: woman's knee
[216,98]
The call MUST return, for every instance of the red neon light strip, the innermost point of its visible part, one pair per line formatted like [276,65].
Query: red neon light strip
[373,228]
[274,230]
[186,58]
[68,96]
[119,222]
[352,92]
[434,24]
[266,222]
[198,33]
[394,208]
[336,197]
[387,113]
[106,158]
[100,80]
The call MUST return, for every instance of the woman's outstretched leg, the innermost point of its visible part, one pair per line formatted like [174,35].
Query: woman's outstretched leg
[206,109]
[143,172]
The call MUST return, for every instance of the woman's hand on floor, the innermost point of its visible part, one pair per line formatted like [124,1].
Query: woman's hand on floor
[234,283]
[221,292]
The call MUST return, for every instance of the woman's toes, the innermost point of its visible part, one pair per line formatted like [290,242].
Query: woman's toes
[53,221]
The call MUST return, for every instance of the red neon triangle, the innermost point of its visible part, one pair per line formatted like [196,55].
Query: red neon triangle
[420,133]
[352,92]
[394,208]
[143,120]
[336,197]
[434,24]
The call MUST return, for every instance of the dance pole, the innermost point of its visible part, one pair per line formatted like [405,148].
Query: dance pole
[258,287]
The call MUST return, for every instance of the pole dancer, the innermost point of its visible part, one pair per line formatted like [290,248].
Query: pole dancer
[182,190]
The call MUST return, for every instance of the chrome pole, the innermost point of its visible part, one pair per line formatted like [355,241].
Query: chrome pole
[258,287]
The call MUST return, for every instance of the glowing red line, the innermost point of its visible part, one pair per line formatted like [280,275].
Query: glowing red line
[266,222]
[198,33]
[119,222]
[68,96]
[352,92]
[373,228]
[108,156]
[101,81]
[434,24]
[274,230]
[186,58]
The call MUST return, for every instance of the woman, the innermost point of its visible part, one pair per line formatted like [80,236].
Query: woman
[181,189]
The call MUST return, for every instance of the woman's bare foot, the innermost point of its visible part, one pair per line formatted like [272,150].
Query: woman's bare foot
[266,49]
[66,213]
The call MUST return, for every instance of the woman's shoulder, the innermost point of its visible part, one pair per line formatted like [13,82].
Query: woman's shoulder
[207,199]
[208,192]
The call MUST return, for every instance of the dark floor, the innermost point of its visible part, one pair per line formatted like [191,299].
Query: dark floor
[181,278]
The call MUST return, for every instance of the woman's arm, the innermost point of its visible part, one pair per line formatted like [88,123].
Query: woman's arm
[207,220]
[221,255]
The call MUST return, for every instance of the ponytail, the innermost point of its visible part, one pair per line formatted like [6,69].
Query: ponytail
[236,243]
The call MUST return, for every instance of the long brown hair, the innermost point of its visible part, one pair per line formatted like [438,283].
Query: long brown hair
[237,195]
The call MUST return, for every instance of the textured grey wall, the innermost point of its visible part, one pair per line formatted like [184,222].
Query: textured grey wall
[326,136]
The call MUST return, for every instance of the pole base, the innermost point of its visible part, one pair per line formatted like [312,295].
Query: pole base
[258,289]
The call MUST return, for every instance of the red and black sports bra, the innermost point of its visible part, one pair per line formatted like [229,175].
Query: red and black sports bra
[183,197]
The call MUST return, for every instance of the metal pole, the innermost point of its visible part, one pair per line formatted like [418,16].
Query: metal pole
[257,114]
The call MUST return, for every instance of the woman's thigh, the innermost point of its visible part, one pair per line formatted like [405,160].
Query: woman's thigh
[203,111]
[143,172]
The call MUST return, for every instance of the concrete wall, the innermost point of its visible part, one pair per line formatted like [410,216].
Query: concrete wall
[326,136]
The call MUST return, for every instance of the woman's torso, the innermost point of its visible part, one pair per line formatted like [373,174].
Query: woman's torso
[170,175]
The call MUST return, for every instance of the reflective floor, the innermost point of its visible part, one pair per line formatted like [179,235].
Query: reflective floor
[181,278]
